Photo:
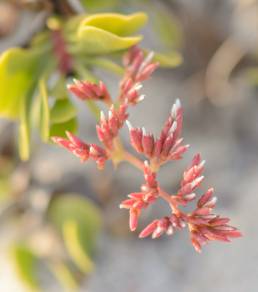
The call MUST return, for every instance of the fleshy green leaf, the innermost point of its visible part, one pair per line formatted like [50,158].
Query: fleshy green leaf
[59,129]
[93,40]
[62,111]
[167,29]
[93,5]
[73,234]
[44,111]
[64,275]
[18,69]
[171,60]
[24,127]
[72,207]
[118,24]
[25,263]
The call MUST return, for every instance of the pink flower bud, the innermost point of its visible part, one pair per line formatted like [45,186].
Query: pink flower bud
[74,145]
[133,220]
[99,155]
[147,143]
[149,229]
[89,90]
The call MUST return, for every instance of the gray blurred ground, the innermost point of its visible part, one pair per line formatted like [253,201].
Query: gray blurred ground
[227,138]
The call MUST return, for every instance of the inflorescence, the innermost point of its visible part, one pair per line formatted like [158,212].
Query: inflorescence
[202,223]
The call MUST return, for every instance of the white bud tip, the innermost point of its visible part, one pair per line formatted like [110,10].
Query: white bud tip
[109,114]
[213,200]
[178,103]
[170,230]
[102,115]
[129,125]
[76,80]
[146,163]
[144,133]
[141,98]
[149,57]
[202,163]
[173,127]
[173,111]
[138,86]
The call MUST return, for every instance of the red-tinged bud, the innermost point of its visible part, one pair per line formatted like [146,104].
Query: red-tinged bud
[135,137]
[146,72]
[147,143]
[136,196]
[177,154]
[133,218]
[177,221]
[206,197]
[196,160]
[130,55]
[196,183]
[74,145]
[89,90]
[189,197]
[64,59]
[99,155]
[197,246]
[202,211]
[219,221]
[149,229]
[127,204]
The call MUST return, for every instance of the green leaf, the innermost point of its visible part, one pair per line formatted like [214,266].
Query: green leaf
[24,128]
[170,60]
[73,235]
[62,111]
[73,207]
[44,111]
[59,129]
[64,275]
[106,64]
[93,5]
[17,74]
[252,75]
[167,28]
[93,40]
[25,263]
[118,24]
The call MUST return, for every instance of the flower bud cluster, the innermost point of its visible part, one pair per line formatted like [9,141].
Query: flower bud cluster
[82,150]
[202,223]
[141,200]
[109,127]
[138,68]
[168,146]
[87,90]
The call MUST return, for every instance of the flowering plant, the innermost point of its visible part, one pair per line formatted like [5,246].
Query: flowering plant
[202,223]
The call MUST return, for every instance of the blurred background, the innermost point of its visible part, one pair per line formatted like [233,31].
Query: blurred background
[217,83]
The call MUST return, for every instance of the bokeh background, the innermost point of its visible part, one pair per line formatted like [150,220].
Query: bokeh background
[218,86]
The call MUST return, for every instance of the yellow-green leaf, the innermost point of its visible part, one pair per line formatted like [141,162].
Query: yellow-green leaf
[72,234]
[172,59]
[25,263]
[81,210]
[119,24]
[17,73]
[44,111]
[62,111]
[64,275]
[93,40]
[59,129]
[24,129]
